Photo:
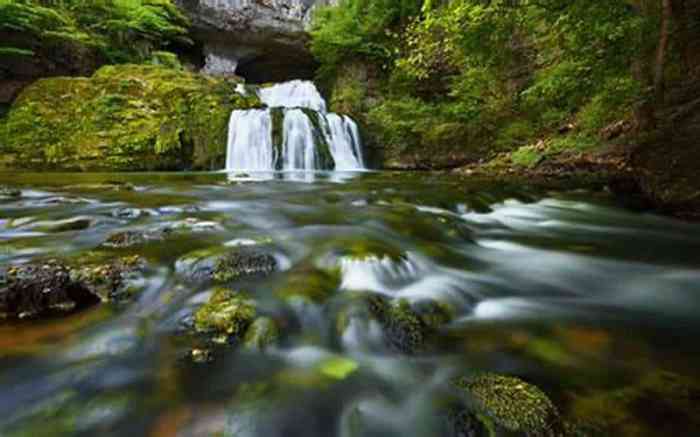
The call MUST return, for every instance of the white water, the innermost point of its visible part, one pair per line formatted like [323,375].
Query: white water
[251,146]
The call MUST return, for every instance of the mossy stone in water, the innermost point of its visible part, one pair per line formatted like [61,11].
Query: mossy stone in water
[243,262]
[403,329]
[42,289]
[513,404]
[227,313]
[223,264]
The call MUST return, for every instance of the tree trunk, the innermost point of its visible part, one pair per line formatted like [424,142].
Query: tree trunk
[680,17]
[661,51]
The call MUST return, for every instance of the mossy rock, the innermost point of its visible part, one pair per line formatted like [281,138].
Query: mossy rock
[226,315]
[222,264]
[513,404]
[124,117]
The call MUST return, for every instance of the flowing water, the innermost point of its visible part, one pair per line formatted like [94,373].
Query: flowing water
[595,304]
[308,134]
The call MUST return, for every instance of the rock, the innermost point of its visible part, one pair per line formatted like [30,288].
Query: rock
[111,279]
[225,264]
[123,118]
[125,239]
[226,316]
[42,289]
[406,326]
[70,224]
[9,192]
[513,404]
[128,213]
[261,334]
[263,41]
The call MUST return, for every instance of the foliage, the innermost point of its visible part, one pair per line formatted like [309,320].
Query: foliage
[502,71]
[121,30]
[360,28]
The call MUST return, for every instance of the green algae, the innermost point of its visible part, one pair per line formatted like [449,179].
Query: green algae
[125,117]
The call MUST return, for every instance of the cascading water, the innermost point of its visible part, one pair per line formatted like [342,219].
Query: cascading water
[312,139]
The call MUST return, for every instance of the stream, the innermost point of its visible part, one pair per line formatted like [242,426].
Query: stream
[595,303]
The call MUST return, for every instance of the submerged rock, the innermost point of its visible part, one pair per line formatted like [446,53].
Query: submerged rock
[111,279]
[42,289]
[226,316]
[225,264]
[513,404]
[406,327]
[308,283]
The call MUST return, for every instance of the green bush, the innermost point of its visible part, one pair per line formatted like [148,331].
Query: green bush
[121,30]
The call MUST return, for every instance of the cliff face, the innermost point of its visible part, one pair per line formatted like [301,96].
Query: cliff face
[261,40]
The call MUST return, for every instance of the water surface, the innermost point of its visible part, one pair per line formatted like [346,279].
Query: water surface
[596,304]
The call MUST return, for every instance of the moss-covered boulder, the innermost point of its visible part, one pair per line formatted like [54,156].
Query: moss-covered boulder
[222,264]
[124,117]
[226,316]
[407,326]
[513,404]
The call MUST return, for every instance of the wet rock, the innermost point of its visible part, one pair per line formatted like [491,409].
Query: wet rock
[261,334]
[192,224]
[42,289]
[125,239]
[9,192]
[67,225]
[513,404]
[224,265]
[111,279]
[226,316]
[128,213]
[405,326]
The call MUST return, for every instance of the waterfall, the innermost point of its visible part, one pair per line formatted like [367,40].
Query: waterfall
[309,138]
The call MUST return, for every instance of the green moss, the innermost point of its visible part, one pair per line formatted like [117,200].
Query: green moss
[322,146]
[127,117]
[526,156]
[277,119]
[403,328]
[512,403]
[226,313]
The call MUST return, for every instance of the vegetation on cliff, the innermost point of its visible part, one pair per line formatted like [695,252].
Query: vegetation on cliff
[469,79]
[125,117]
[119,30]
